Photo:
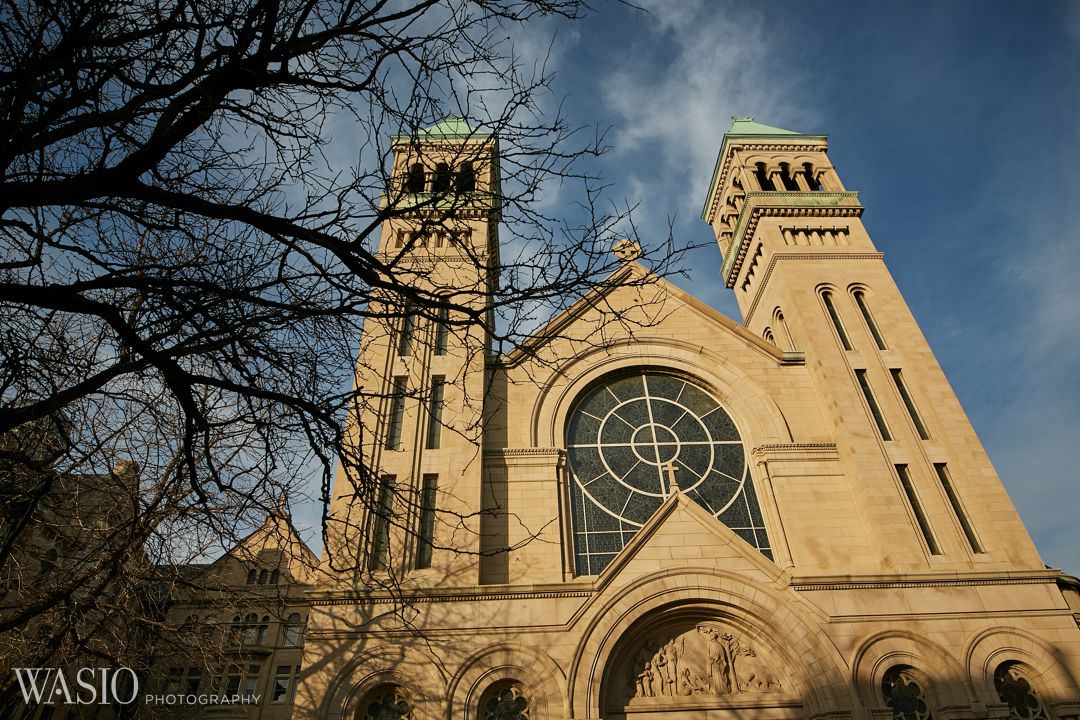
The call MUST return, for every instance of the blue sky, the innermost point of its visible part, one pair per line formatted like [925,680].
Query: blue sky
[959,125]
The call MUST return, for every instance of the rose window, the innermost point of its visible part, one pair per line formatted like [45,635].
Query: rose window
[631,440]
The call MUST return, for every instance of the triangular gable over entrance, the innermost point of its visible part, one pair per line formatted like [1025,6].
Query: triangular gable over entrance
[681,533]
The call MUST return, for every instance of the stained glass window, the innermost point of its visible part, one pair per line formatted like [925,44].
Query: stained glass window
[388,703]
[627,437]
[1016,691]
[904,694]
[504,701]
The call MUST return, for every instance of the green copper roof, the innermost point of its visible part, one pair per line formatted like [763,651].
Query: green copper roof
[452,128]
[747,126]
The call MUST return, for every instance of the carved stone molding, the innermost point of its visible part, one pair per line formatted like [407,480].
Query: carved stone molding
[776,258]
[796,451]
[706,662]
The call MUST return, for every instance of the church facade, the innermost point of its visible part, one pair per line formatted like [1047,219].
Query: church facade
[674,514]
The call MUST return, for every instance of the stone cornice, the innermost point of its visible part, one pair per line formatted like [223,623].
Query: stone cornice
[727,155]
[782,204]
[526,456]
[796,451]
[777,257]
[409,597]
[926,580]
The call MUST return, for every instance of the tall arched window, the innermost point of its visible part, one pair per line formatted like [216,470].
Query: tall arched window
[811,177]
[904,694]
[631,440]
[1016,691]
[783,330]
[414,183]
[465,180]
[442,178]
[388,702]
[787,178]
[252,574]
[762,176]
[294,630]
[505,700]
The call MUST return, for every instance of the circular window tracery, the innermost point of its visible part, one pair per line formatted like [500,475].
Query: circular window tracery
[504,701]
[631,439]
[389,702]
[1017,692]
[904,694]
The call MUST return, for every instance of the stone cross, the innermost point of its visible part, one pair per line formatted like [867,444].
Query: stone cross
[673,484]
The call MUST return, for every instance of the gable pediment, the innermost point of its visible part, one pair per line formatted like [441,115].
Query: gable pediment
[635,304]
[682,534]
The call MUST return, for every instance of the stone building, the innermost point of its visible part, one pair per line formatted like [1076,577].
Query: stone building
[676,514]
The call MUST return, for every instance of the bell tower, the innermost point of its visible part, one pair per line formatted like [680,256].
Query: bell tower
[808,278]
[403,506]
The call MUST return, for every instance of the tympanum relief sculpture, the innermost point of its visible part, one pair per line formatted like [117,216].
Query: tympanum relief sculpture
[707,659]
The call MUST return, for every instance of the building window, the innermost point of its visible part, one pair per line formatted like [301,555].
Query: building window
[173,681]
[250,685]
[782,327]
[768,336]
[442,331]
[426,536]
[442,178]
[294,631]
[1016,691]
[465,181]
[631,437]
[408,325]
[251,576]
[414,182]
[879,419]
[250,632]
[830,307]
[275,577]
[389,702]
[284,684]
[917,509]
[263,574]
[860,300]
[957,508]
[380,544]
[397,414]
[901,388]
[435,406]
[811,177]
[762,176]
[505,700]
[787,178]
[904,694]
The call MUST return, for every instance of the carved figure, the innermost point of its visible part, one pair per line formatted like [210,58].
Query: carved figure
[668,660]
[693,683]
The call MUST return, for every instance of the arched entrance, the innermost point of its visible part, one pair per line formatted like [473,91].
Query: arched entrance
[695,661]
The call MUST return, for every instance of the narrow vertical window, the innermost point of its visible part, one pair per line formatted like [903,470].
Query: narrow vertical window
[465,180]
[435,403]
[380,542]
[442,178]
[768,336]
[958,509]
[397,414]
[860,300]
[787,178]
[408,324]
[415,181]
[427,521]
[879,419]
[782,325]
[830,307]
[917,509]
[763,177]
[909,404]
[811,179]
[442,331]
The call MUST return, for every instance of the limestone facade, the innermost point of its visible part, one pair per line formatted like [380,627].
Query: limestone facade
[882,570]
